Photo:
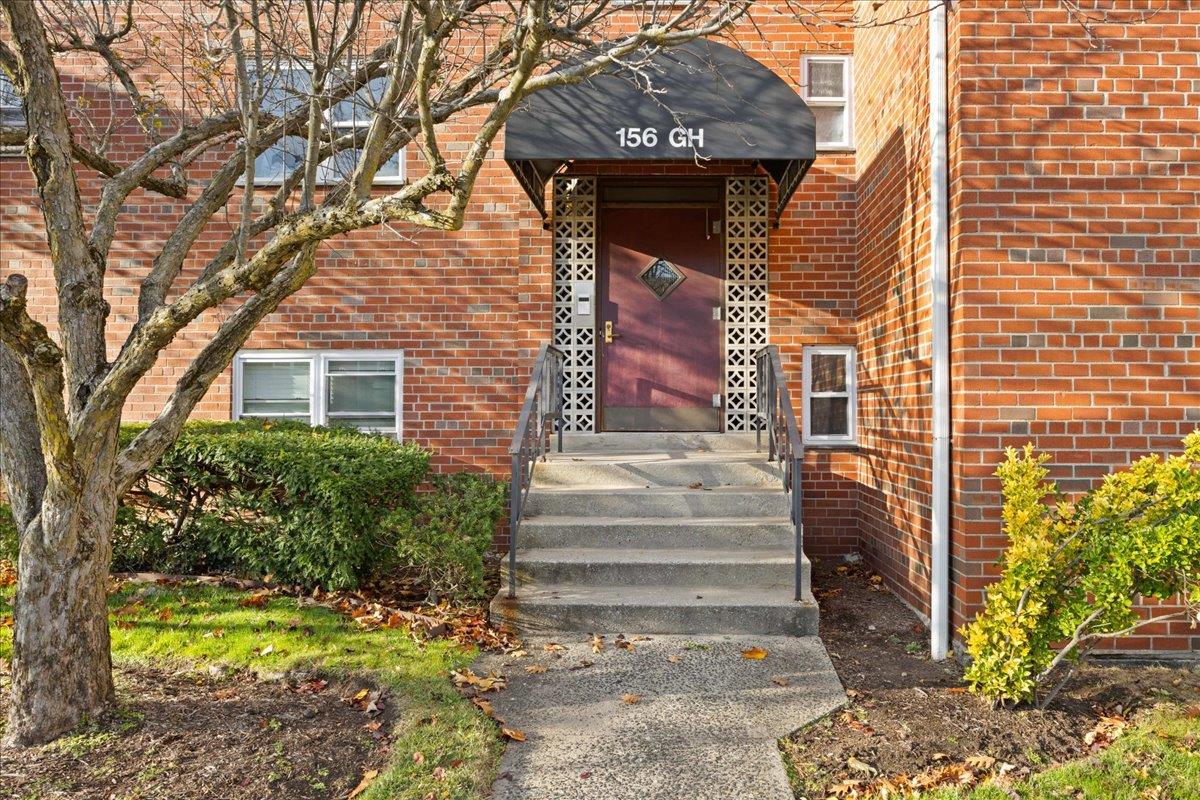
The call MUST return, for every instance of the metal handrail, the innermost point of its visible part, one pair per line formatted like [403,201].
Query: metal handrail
[785,447]
[541,412]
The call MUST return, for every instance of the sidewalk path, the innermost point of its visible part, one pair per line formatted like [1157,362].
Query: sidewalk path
[705,726]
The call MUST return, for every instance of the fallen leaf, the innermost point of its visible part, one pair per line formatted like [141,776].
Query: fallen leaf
[583,664]
[418,757]
[512,733]
[861,766]
[854,723]
[535,669]
[361,695]
[754,654]
[597,643]
[312,687]
[166,614]
[483,705]
[553,647]
[844,789]
[256,600]
[853,694]
[215,633]
[957,690]
[368,777]
[585,775]
[981,762]
[492,683]
[779,681]
[631,699]
[674,659]
[439,773]
[696,485]
[266,651]
[129,608]
[373,726]
[622,643]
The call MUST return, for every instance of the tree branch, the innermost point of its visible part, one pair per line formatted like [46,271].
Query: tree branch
[42,361]
[168,187]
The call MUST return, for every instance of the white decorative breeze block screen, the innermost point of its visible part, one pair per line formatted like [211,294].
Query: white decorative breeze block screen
[746,323]
[746,292]
[575,260]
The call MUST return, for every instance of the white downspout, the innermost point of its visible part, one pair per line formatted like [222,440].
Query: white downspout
[939,268]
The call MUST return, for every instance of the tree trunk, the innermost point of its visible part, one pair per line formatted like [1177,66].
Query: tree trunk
[61,666]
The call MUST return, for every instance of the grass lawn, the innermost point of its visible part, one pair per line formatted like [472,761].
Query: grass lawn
[1158,759]
[207,625]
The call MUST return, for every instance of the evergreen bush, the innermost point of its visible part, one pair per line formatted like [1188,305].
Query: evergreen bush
[1073,571]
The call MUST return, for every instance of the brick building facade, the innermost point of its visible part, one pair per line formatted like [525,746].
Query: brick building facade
[1074,197]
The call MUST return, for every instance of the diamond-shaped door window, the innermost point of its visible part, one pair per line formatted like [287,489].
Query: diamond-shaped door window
[661,277]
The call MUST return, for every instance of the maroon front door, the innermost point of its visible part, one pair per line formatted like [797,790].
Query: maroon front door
[661,273]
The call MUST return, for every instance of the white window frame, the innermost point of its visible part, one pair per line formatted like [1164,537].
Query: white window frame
[14,149]
[850,353]
[327,177]
[845,101]
[318,372]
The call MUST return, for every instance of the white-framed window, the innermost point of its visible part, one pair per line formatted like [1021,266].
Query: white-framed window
[827,87]
[11,113]
[830,395]
[354,388]
[286,88]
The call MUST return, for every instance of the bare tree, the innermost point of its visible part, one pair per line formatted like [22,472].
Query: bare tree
[244,78]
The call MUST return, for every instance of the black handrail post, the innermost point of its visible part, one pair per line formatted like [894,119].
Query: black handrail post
[798,521]
[784,445]
[531,441]
[514,516]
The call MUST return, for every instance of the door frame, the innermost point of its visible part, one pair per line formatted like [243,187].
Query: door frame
[657,182]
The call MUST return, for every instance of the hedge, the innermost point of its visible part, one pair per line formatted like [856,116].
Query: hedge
[302,505]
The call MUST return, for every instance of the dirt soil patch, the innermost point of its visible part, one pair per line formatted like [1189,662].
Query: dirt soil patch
[200,734]
[908,715]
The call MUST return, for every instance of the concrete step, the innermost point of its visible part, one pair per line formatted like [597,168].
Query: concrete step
[662,501]
[658,442]
[616,532]
[600,566]
[657,469]
[753,609]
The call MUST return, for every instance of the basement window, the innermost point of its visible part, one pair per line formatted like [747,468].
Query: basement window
[349,388]
[828,91]
[830,395]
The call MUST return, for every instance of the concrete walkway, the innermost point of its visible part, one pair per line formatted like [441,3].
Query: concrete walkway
[705,727]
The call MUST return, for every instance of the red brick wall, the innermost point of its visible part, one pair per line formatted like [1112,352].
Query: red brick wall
[1076,256]
[892,136]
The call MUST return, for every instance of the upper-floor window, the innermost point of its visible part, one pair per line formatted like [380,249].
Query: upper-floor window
[288,88]
[830,395]
[353,388]
[11,113]
[827,90]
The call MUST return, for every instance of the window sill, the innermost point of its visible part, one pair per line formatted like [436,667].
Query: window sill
[835,149]
[849,447]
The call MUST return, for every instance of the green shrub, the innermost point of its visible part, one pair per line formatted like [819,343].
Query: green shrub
[302,504]
[442,545]
[1073,571]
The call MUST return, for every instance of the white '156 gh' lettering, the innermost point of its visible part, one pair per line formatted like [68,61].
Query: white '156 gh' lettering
[648,137]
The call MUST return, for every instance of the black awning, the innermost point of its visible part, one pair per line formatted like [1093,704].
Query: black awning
[701,100]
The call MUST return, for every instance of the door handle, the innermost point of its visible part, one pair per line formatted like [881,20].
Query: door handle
[609,333]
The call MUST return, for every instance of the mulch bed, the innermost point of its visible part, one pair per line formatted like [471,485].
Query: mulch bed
[908,716]
[201,734]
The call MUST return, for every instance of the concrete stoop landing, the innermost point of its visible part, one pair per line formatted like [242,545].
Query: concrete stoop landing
[657,534]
